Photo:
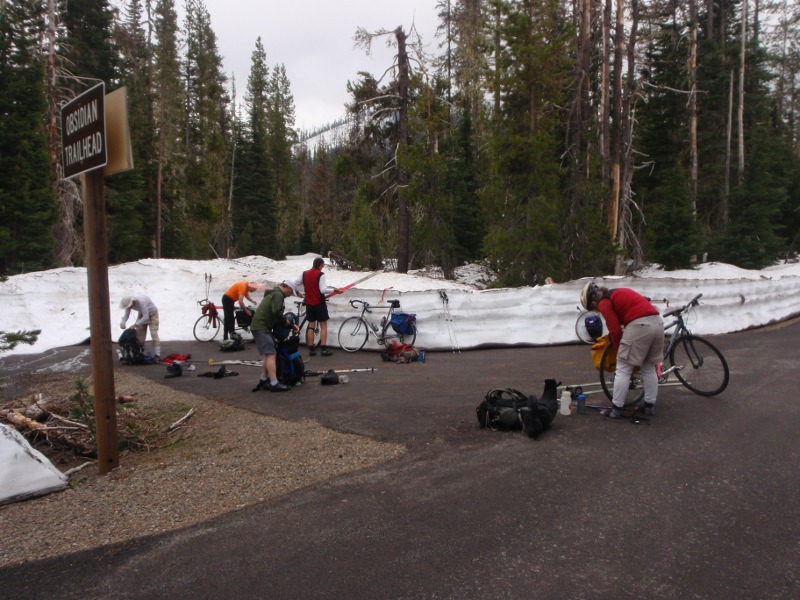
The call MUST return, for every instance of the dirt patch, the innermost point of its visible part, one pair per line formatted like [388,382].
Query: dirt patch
[222,459]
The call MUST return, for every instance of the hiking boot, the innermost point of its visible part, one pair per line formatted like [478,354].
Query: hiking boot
[613,413]
[326,352]
[312,351]
[279,387]
[263,384]
[649,409]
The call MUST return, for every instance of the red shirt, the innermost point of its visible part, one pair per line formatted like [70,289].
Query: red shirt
[311,284]
[622,306]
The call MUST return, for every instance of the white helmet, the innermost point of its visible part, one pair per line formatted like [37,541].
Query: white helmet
[586,294]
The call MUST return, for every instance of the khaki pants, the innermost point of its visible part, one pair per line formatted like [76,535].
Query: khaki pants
[141,333]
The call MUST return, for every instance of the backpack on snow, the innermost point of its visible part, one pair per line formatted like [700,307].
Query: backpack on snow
[130,352]
[510,410]
[290,366]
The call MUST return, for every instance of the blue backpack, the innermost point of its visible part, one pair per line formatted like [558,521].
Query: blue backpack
[289,363]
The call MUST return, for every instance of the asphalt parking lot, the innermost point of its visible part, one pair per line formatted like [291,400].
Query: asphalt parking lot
[698,502]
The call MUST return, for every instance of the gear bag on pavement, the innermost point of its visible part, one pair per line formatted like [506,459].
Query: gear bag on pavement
[130,352]
[511,410]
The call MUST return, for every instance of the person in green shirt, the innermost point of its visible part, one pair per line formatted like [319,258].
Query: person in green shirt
[270,313]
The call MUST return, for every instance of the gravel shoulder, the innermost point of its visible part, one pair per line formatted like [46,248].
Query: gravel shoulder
[223,459]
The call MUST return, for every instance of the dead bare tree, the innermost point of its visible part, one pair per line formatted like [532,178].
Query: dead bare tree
[69,245]
[401,99]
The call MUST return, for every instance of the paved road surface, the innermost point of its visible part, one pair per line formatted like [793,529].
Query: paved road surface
[699,502]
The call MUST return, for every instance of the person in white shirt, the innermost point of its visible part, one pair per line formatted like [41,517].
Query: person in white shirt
[148,318]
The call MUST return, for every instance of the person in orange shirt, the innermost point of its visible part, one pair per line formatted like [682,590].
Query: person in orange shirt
[238,292]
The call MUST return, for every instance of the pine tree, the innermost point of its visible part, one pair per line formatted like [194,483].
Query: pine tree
[280,139]
[254,212]
[207,159]
[169,96]
[523,191]
[27,209]
[128,200]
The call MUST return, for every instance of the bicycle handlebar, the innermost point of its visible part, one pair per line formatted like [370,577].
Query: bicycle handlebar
[680,309]
[365,304]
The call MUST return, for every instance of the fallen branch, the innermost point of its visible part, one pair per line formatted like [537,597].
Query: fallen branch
[21,421]
[67,421]
[78,468]
[178,423]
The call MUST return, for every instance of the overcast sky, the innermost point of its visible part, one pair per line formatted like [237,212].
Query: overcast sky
[314,40]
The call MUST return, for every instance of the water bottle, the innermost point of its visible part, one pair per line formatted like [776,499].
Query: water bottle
[422,356]
[564,402]
[343,379]
[581,404]
[374,327]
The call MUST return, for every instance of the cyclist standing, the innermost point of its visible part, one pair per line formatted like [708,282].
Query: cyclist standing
[316,288]
[637,332]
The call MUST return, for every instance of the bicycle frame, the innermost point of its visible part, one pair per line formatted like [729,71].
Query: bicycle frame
[680,334]
[355,331]
[379,333]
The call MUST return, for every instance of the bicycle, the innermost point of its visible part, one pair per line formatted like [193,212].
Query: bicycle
[209,323]
[355,331]
[696,362]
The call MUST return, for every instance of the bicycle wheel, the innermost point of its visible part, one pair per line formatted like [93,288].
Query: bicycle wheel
[353,334]
[206,328]
[635,387]
[580,326]
[699,365]
[408,338]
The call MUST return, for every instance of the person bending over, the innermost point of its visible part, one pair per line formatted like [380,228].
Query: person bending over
[238,292]
[268,315]
[147,319]
[637,333]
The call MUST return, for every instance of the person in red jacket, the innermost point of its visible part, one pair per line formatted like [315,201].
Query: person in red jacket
[637,332]
[316,288]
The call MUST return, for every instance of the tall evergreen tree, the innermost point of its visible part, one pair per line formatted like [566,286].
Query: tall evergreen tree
[169,98]
[207,160]
[280,139]
[128,201]
[523,190]
[27,209]
[254,211]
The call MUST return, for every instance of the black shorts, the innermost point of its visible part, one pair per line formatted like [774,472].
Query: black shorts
[317,313]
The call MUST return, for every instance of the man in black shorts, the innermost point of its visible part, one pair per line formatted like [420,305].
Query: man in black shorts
[316,289]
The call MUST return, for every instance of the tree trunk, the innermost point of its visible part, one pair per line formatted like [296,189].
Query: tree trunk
[628,240]
[605,124]
[615,140]
[727,183]
[67,195]
[403,83]
[693,103]
[740,115]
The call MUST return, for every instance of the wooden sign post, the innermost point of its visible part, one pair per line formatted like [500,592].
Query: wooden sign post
[83,135]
